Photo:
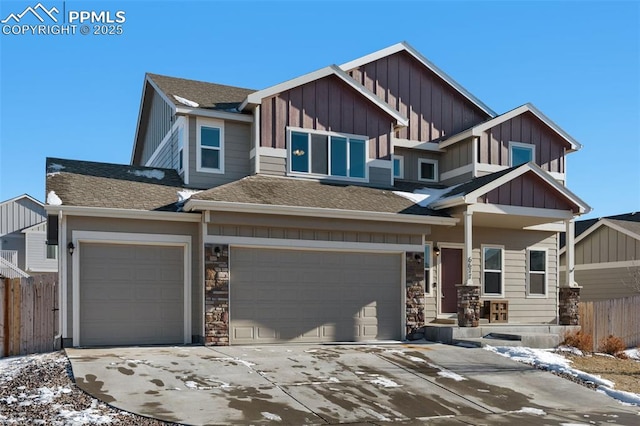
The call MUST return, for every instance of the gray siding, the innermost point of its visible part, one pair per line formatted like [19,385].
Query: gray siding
[457,155]
[145,227]
[411,157]
[20,214]
[465,177]
[605,283]
[36,252]
[273,165]
[155,124]
[237,164]
[379,176]
[15,241]
[606,245]
[168,156]
[522,309]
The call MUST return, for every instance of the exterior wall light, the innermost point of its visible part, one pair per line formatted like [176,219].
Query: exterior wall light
[71,248]
[436,250]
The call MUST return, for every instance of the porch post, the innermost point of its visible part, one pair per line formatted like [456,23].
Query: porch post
[468,248]
[569,292]
[570,254]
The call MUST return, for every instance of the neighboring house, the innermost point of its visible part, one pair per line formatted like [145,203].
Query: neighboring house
[23,237]
[607,257]
[348,204]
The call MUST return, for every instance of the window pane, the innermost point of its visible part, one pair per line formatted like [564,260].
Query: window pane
[338,156]
[427,171]
[319,154]
[427,256]
[299,152]
[520,155]
[493,259]
[210,158]
[52,252]
[357,158]
[210,136]
[492,282]
[396,167]
[536,261]
[536,284]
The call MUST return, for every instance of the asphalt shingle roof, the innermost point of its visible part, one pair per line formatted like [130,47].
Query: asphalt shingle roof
[208,95]
[629,221]
[92,184]
[259,189]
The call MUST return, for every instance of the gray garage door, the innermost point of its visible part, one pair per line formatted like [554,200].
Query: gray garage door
[313,296]
[131,294]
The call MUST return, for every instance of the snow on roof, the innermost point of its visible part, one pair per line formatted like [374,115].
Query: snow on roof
[54,169]
[53,199]
[185,194]
[151,174]
[186,102]
[424,196]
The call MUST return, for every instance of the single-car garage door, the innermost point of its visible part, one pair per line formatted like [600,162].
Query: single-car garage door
[313,296]
[131,294]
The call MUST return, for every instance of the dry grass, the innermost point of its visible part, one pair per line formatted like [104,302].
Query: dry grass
[612,345]
[579,340]
[625,373]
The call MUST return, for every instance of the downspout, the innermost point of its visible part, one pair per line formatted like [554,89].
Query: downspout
[256,138]
[61,275]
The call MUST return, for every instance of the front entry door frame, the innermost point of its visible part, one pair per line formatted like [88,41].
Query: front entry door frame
[459,246]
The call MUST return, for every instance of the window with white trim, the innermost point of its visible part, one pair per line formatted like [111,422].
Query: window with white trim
[328,154]
[537,272]
[427,268]
[398,166]
[492,270]
[52,252]
[521,153]
[427,170]
[210,142]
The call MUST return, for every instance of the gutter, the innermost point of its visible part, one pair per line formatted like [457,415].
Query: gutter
[122,213]
[225,206]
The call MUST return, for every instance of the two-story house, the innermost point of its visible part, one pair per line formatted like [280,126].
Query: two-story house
[358,202]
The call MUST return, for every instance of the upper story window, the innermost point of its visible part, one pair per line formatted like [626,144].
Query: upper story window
[328,154]
[521,153]
[210,149]
[398,166]
[492,270]
[427,170]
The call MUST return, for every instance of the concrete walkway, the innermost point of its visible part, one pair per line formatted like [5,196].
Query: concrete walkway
[324,384]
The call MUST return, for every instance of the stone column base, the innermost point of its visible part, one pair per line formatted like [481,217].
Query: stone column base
[569,306]
[468,305]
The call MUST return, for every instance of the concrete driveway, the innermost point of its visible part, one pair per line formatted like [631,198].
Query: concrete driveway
[325,384]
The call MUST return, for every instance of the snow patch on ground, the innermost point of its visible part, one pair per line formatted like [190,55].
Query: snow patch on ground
[451,375]
[270,416]
[89,416]
[149,174]
[622,396]
[53,199]
[239,361]
[185,101]
[633,353]
[570,349]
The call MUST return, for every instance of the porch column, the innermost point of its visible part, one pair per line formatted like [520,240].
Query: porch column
[569,292]
[468,248]
[570,254]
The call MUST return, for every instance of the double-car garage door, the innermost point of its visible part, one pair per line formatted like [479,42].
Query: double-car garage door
[313,296]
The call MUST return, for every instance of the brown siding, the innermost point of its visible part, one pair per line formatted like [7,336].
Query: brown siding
[434,108]
[606,245]
[525,128]
[325,104]
[526,191]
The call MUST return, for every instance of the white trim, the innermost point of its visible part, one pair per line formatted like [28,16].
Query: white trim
[20,197]
[213,124]
[502,270]
[255,98]
[492,168]
[203,305]
[528,146]
[400,159]
[422,161]
[256,139]
[598,224]
[210,113]
[272,152]
[475,142]
[180,145]
[547,227]
[187,147]
[404,46]
[403,295]
[457,172]
[179,122]
[63,275]
[123,213]
[529,272]
[226,206]
[183,241]
[603,265]
[423,146]
[428,281]
[520,211]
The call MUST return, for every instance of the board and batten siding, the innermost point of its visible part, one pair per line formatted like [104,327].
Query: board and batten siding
[78,223]
[456,156]
[522,308]
[237,144]
[527,190]
[606,245]
[327,104]
[433,107]
[168,156]
[20,214]
[411,159]
[155,124]
[606,282]
[493,147]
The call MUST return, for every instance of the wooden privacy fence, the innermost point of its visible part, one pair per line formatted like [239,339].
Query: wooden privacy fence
[619,317]
[29,315]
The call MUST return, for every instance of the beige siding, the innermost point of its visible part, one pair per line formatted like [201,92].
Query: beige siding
[606,245]
[154,125]
[144,227]
[606,282]
[237,144]
[411,158]
[273,165]
[434,109]
[522,309]
[526,128]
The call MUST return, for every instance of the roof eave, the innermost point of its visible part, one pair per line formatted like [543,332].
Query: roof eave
[122,213]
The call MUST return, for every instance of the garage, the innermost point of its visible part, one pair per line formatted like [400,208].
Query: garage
[131,294]
[279,295]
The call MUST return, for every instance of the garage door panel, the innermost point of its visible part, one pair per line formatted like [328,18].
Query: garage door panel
[131,294]
[313,296]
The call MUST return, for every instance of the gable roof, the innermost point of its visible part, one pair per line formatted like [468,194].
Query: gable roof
[91,184]
[406,47]
[469,192]
[295,196]
[627,223]
[20,197]
[478,129]
[256,97]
